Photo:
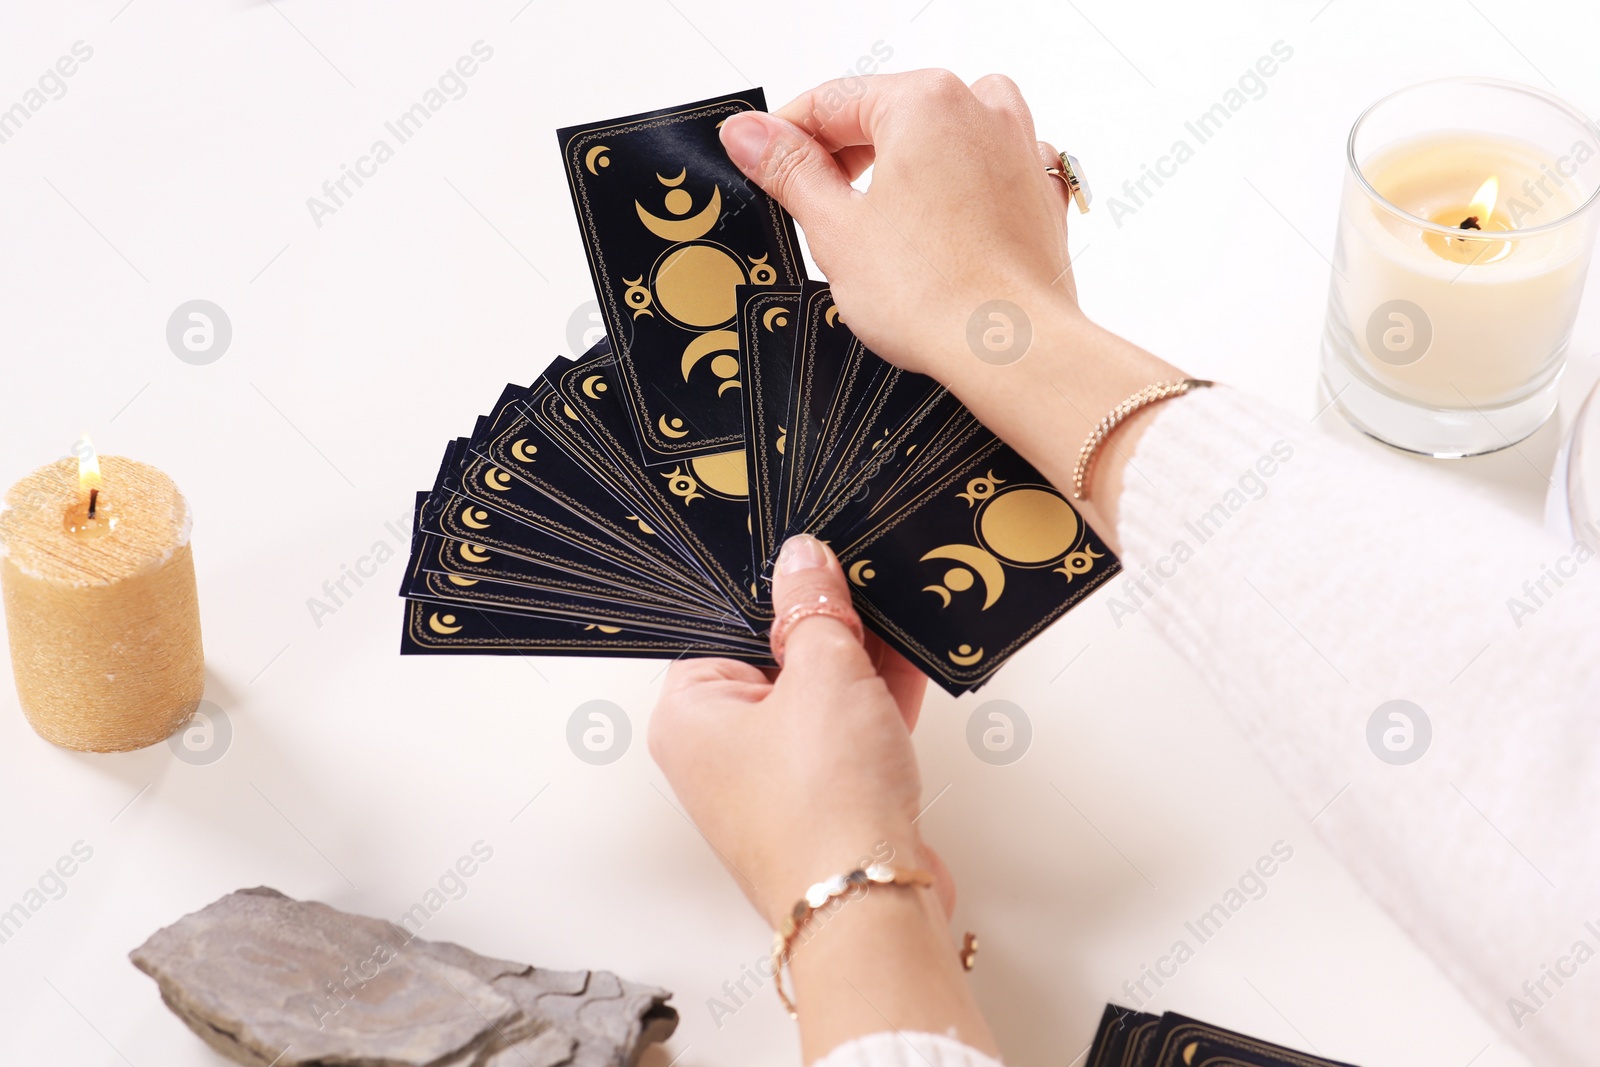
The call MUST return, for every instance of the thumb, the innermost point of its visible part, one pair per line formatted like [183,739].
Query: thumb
[797,171]
[815,629]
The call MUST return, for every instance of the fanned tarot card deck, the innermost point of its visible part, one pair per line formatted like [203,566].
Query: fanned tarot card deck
[632,501]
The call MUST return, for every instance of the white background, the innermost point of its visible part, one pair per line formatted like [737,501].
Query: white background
[178,165]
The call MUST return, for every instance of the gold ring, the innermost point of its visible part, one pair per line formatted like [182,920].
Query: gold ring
[1071,174]
[822,605]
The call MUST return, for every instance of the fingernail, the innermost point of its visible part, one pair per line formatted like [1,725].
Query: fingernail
[745,136]
[801,553]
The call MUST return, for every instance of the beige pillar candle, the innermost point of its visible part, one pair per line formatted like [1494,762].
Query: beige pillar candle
[100,602]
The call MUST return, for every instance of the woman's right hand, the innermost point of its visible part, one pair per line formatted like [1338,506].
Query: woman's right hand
[960,210]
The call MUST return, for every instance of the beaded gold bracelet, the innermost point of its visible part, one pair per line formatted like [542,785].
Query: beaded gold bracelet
[1150,394]
[822,895]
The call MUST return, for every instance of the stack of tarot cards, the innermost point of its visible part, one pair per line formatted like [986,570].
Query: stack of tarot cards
[631,501]
[1128,1038]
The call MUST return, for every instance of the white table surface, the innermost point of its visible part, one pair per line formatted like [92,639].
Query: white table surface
[177,166]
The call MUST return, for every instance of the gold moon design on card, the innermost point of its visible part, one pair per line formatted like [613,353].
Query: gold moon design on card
[442,625]
[497,479]
[774,317]
[724,473]
[595,158]
[603,628]
[831,316]
[567,410]
[964,656]
[1027,525]
[456,579]
[987,567]
[861,572]
[474,553]
[725,367]
[521,449]
[944,594]
[719,341]
[474,517]
[593,386]
[697,284]
[671,183]
[679,230]
[671,427]
[644,527]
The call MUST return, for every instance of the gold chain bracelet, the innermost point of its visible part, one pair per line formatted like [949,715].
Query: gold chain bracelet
[823,894]
[1103,429]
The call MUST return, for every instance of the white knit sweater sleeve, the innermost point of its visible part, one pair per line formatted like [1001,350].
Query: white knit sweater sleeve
[1310,582]
[905,1049]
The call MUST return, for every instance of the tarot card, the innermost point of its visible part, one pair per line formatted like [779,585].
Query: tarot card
[819,364]
[965,574]
[503,597]
[432,629]
[1117,1025]
[769,324]
[672,228]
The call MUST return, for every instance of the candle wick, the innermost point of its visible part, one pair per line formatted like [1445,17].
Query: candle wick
[94,499]
[1470,223]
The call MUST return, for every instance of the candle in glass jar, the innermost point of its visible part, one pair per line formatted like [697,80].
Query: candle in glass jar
[1472,308]
[100,600]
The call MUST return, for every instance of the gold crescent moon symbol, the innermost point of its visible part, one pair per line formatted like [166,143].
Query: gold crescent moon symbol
[671,182]
[497,479]
[772,314]
[521,449]
[672,430]
[964,656]
[679,230]
[590,160]
[567,410]
[474,553]
[442,625]
[725,386]
[831,317]
[861,572]
[590,389]
[944,594]
[474,517]
[456,579]
[989,568]
[707,343]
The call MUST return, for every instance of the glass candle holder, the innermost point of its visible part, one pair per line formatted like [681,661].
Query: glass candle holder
[1465,231]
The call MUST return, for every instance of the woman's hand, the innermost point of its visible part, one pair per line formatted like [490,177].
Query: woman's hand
[795,779]
[798,778]
[960,213]
[960,210]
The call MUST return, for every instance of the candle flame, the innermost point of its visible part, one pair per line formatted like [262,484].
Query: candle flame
[88,465]
[1484,199]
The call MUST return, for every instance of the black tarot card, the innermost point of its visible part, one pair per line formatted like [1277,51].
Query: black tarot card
[672,229]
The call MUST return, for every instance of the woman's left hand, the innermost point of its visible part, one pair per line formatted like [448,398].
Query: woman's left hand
[809,774]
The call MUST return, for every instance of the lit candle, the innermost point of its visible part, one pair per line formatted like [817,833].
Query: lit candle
[100,602]
[1498,309]
[1460,264]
